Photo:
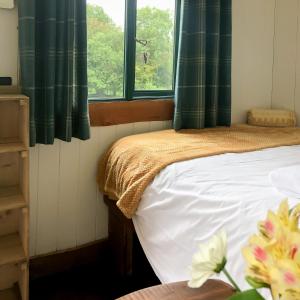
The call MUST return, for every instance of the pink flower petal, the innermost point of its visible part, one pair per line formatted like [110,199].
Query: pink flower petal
[269,226]
[260,254]
[289,278]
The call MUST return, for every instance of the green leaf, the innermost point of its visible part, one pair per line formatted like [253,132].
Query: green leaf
[256,283]
[247,295]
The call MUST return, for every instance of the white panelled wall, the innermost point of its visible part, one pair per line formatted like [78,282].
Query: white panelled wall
[66,207]
[265,56]
[286,70]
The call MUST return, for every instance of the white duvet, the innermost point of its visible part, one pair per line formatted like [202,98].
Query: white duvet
[190,201]
[287,181]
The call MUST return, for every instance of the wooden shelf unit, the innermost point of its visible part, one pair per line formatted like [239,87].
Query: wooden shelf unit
[11,294]
[14,197]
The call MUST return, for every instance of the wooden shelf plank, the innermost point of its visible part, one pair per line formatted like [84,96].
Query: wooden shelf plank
[9,140]
[11,198]
[12,97]
[11,147]
[11,250]
[10,294]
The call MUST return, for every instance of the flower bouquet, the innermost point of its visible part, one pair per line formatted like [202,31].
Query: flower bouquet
[272,257]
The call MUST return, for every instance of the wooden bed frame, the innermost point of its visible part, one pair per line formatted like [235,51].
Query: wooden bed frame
[127,256]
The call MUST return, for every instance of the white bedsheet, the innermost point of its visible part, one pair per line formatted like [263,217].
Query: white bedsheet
[190,201]
[287,181]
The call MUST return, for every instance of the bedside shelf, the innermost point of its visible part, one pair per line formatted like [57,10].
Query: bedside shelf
[14,196]
[11,250]
[10,294]
[11,198]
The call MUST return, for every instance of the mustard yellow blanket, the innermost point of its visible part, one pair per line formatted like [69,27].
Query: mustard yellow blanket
[131,163]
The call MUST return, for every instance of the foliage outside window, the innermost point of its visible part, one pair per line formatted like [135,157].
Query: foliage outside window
[131,48]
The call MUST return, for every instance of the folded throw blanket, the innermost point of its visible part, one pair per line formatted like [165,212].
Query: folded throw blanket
[131,163]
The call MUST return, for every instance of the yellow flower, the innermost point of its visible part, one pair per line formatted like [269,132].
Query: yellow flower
[258,260]
[290,295]
[285,279]
[294,247]
[273,256]
[294,218]
[276,223]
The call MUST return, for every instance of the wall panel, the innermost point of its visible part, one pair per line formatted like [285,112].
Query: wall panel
[47,193]
[285,54]
[286,73]
[124,130]
[68,197]
[67,210]
[154,126]
[252,55]
[141,127]
[105,137]
[89,154]
[297,80]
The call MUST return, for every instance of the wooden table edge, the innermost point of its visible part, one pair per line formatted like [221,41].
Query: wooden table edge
[212,290]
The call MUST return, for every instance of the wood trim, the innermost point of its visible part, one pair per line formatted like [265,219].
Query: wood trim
[89,254]
[123,112]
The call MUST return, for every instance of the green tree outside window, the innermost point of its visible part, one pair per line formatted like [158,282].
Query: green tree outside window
[154,52]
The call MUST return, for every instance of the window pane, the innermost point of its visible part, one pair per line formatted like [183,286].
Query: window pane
[154,44]
[106,21]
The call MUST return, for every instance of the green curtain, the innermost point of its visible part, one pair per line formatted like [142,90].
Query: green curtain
[53,59]
[203,78]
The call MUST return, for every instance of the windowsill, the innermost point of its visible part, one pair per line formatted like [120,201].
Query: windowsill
[124,112]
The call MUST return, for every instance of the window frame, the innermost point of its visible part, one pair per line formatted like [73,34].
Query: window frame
[130,58]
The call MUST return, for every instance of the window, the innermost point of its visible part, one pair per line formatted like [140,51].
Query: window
[131,48]
[106,48]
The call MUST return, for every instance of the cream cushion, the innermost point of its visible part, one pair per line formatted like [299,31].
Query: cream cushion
[271,117]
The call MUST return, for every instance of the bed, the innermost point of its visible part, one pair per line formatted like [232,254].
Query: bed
[190,200]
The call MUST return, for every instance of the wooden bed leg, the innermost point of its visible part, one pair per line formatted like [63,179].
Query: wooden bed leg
[121,237]
[128,260]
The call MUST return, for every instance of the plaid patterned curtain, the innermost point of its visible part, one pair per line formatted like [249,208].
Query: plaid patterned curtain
[53,57]
[203,82]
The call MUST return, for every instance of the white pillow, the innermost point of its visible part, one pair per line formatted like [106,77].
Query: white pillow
[287,181]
